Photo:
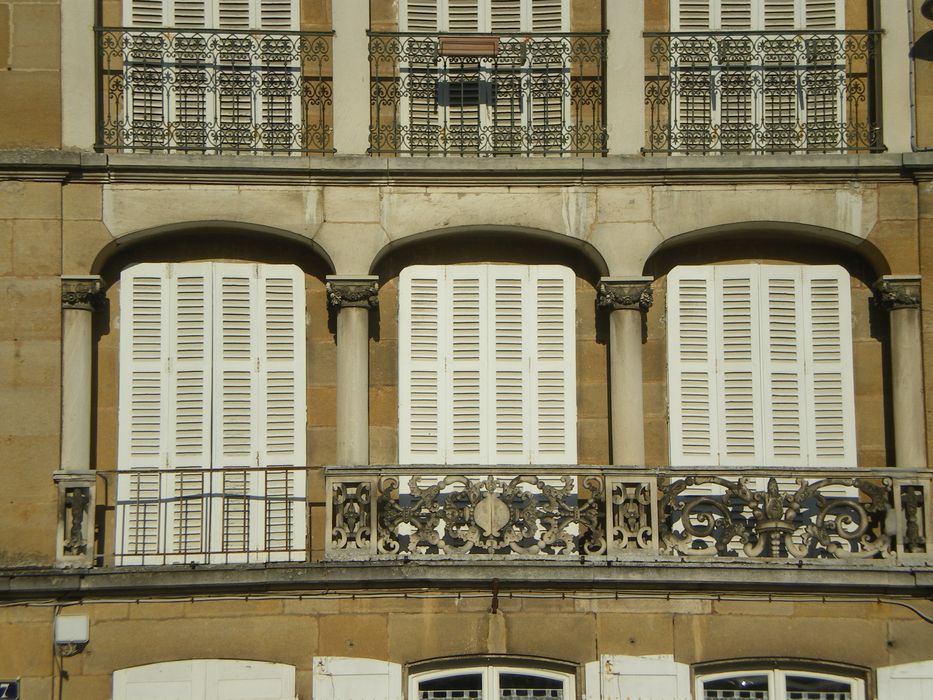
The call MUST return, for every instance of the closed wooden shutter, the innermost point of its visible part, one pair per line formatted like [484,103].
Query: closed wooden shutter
[828,347]
[553,363]
[144,13]
[422,395]
[355,678]
[548,16]
[487,365]
[505,15]
[205,679]
[692,383]
[419,15]
[781,362]
[463,16]
[691,15]
[627,677]
[913,681]
[466,359]
[705,15]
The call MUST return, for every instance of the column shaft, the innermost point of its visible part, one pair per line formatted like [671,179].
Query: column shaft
[353,386]
[625,381]
[76,389]
[907,388]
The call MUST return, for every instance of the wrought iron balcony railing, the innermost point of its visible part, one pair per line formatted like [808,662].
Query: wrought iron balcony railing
[762,92]
[207,516]
[611,513]
[485,95]
[214,91]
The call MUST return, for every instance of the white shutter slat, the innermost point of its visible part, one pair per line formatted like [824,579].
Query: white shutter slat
[829,358]
[422,417]
[553,365]
[463,16]
[510,342]
[466,371]
[782,365]
[694,433]
[419,16]
[737,365]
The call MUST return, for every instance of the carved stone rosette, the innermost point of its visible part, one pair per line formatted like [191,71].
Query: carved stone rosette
[634,294]
[343,292]
[84,292]
[898,292]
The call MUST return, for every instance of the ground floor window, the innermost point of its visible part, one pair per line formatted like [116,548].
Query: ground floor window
[491,683]
[778,684]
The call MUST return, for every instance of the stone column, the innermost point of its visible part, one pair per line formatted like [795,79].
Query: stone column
[900,295]
[627,300]
[352,297]
[81,295]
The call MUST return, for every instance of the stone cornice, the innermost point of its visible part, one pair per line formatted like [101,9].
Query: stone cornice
[416,171]
[84,292]
[633,293]
[898,292]
[343,291]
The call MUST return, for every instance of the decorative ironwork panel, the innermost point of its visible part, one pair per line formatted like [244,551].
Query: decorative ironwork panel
[740,517]
[914,518]
[762,92]
[531,95]
[214,91]
[461,514]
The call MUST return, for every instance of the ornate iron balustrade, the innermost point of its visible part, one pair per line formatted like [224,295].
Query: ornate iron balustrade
[512,95]
[214,91]
[762,92]
[584,512]
[207,516]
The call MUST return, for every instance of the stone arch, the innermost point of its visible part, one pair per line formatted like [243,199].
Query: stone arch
[774,240]
[490,244]
[202,240]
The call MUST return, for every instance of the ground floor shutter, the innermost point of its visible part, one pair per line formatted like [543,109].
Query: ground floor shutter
[205,679]
[906,681]
[645,677]
[347,678]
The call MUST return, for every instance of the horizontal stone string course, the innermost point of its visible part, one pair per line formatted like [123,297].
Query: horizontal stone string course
[860,514]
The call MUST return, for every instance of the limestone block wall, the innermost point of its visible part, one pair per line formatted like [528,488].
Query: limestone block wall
[30,83]
[125,633]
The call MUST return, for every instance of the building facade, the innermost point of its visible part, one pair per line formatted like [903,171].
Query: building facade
[465,349]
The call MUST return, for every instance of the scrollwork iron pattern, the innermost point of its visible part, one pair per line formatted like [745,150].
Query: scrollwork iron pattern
[762,92]
[815,518]
[538,95]
[214,91]
[512,515]
[611,513]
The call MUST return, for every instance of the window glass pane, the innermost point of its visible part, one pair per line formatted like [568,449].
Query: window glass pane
[520,685]
[741,687]
[462,687]
[812,688]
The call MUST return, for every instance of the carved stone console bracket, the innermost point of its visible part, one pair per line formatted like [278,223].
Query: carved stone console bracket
[633,293]
[360,291]
[84,292]
[77,496]
[898,292]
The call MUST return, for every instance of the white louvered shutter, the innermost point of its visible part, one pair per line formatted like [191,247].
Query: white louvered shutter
[422,386]
[511,349]
[548,15]
[828,347]
[691,342]
[784,410]
[463,16]
[823,14]
[144,13]
[505,15]
[282,411]
[420,16]
[737,363]
[691,15]
[553,366]
[144,423]
[466,364]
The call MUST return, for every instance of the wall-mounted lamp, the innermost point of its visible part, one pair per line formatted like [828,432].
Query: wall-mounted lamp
[71,634]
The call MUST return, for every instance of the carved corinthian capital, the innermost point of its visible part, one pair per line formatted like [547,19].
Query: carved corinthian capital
[898,292]
[360,291]
[82,292]
[633,293]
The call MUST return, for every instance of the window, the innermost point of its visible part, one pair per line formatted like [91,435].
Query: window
[491,683]
[778,685]
[486,365]
[212,82]
[777,84]
[760,366]
[212,413]
[510,99]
